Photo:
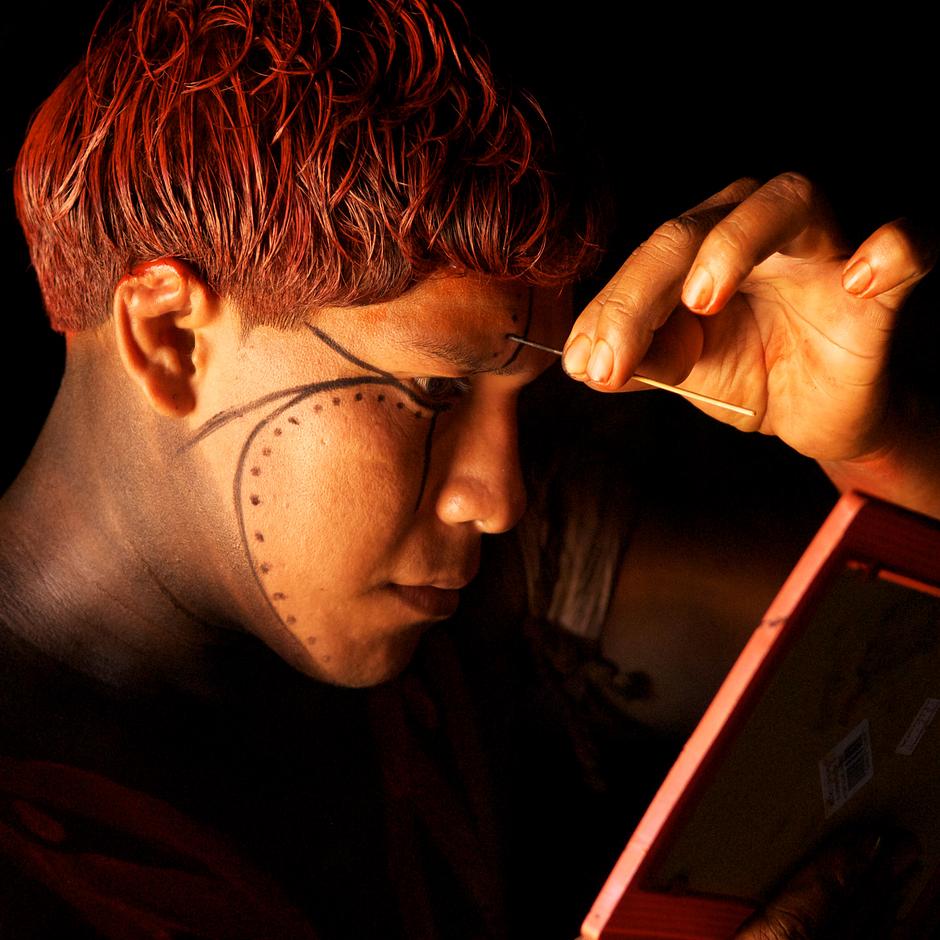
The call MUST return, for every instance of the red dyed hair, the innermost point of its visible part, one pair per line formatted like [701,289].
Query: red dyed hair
[295,153]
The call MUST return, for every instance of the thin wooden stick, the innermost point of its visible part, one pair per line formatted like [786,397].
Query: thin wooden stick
[653,383]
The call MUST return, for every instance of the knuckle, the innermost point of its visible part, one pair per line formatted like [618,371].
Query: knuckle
[728,243]
[621,309]
[790,924]
[795,185]
[678,234]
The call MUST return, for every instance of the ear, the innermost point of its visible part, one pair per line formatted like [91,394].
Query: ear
[160,311]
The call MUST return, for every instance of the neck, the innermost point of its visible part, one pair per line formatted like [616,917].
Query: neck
[80,570]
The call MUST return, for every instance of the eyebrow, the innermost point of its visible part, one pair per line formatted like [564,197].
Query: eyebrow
[459,355]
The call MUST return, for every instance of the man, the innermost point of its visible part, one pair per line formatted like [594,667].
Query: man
[287,244]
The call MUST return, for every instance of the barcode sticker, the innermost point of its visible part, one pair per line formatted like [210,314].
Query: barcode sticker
[846,768]
[918,726]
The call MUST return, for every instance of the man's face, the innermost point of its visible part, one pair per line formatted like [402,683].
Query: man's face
[366,457]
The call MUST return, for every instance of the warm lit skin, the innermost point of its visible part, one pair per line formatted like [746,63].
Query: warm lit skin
[753,297]
[123,549]
[327,555]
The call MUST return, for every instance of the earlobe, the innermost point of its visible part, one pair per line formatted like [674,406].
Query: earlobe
[160,309]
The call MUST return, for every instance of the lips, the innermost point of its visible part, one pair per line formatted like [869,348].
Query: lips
[429,599]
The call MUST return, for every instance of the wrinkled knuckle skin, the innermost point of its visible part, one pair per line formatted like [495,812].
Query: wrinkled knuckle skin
[796,185]
[678,234]
[791,925]
[748,183]
[620,310]
[728,241]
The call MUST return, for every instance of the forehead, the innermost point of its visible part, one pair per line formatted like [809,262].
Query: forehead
[469,314]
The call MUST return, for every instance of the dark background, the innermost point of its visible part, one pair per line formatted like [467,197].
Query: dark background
[662,107]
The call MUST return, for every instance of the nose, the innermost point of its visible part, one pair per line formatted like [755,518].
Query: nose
[482,483]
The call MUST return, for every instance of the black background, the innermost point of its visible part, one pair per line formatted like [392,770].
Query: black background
[662,105]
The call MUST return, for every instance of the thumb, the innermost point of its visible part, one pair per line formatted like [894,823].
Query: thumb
[890,262]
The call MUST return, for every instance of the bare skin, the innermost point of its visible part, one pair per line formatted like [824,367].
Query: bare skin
[318,488]
[129,534]
[753,297]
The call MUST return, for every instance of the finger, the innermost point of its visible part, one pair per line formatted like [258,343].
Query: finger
[808,900]
[642,294]
[675,349]
[849,890]
[731,195]
[786,215]
[890,262]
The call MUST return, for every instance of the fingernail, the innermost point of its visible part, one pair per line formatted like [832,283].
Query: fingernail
[602,362]
[577,354]
[699,289]
[858,277]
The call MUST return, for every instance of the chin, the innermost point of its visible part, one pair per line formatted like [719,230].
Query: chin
[358,668]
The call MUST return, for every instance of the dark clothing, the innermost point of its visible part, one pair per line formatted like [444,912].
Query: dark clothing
[448,804]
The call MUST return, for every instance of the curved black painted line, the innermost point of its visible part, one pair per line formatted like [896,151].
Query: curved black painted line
[524,334]
[239,411]
[345,353]
[295,395]
[243,457]
[425,470]
[435,408]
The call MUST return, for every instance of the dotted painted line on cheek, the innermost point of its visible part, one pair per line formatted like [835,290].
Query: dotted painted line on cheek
[265,567]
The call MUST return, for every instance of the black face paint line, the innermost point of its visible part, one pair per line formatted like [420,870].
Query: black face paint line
[525,331]
[294,395]
[434,408]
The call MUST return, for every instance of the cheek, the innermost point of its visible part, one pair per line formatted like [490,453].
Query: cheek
[325,494]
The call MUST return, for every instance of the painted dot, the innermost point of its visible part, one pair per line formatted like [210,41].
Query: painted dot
[256,471]
[326,659]
[358,396]
[495,354]
[264,567]
[279,596]
[259,537]
[266,451]
[380,398]
[277,432]
[336,401]
[293,420]
[515,318]
[418,414]
[318,408]
[311,640]
[290,620]
[399,405]
[255,499]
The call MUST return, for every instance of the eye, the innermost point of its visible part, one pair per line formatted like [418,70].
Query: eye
[441,389]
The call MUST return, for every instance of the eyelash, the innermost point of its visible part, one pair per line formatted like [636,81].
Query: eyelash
[440,389]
